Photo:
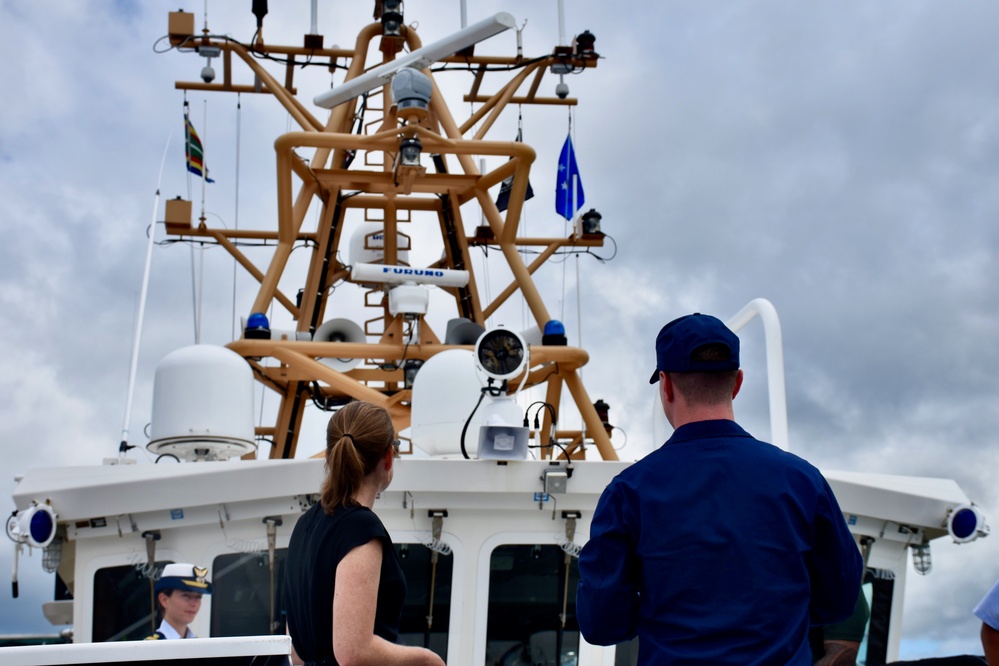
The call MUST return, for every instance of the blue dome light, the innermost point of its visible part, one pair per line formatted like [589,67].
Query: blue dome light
[554,327]
[257,320]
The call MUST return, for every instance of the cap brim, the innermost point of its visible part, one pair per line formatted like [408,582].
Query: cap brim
[655,377]
[182,584]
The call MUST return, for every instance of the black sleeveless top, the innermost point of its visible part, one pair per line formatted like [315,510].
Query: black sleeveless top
[318,543]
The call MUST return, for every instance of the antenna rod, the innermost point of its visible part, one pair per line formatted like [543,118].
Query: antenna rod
[561,23]
[124,446]
[464,14]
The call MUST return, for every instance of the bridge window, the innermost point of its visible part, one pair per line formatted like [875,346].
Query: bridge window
[425,624]
[532,607]
[246,601]
[241,602]
[124,609]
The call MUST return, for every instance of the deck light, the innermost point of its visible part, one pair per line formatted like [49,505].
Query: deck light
[584,44]
[591,221]
[409,152]
[921,559]
[392,18]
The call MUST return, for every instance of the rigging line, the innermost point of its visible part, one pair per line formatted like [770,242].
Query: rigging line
[198,282]
[187,147]
[142,306]
[235,264]
[485,257]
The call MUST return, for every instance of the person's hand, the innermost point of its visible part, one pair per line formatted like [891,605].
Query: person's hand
[839,653]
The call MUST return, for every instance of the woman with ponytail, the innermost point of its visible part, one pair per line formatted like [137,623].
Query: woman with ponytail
[344,585]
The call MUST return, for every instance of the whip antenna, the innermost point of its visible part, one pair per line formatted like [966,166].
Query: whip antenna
[124,446]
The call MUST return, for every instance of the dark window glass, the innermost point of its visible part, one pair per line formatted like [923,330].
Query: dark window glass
[124,608]
[422,624]
[532,607]
[246,601]
[241,601]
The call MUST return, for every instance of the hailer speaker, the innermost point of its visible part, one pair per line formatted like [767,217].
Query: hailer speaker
[340,330]
[462,331]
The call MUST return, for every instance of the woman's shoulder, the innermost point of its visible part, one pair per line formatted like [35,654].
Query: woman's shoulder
[347,519]
[360,516]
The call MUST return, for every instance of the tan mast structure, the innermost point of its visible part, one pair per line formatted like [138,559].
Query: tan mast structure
[394,192]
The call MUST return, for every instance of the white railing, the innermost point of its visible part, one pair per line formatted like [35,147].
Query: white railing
[130,652]
[764,309]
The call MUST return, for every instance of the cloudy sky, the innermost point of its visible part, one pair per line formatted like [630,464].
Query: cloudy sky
[838,158]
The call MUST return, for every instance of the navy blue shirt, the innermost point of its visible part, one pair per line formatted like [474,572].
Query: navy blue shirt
[317,545]
[716,549]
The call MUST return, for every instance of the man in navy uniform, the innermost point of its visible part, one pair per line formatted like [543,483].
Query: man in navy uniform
[178,594]
[716,548]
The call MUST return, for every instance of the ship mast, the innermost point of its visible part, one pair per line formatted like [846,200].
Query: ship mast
[363,161]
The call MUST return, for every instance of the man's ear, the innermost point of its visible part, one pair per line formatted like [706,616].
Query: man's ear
[389,459]
[738,384]
[666,386]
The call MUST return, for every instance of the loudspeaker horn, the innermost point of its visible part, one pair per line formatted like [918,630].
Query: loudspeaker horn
[462,331]
[340,330]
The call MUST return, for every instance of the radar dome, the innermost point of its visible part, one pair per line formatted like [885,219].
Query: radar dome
[202,405]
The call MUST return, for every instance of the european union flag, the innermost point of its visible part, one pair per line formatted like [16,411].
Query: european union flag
[568,181]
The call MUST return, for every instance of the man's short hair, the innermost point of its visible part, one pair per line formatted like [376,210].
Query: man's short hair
[707,388]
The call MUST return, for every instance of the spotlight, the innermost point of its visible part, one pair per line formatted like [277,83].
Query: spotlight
[501,353]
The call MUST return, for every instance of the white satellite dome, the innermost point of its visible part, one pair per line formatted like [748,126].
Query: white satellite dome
[202,405]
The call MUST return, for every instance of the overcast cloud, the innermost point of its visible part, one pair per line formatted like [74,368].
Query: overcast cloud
[838,158]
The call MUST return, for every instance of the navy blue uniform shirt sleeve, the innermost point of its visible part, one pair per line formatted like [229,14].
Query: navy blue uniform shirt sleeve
[836,566]
[607,597]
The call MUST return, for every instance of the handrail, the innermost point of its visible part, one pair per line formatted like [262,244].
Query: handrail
[764,309]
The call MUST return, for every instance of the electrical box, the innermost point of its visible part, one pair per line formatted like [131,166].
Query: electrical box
[180,26]
[556,481]
[177,216]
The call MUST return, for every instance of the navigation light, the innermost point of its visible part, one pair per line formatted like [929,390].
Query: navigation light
[966,523]
[35,526]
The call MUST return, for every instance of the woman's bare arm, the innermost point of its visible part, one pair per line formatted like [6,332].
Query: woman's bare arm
[354,603]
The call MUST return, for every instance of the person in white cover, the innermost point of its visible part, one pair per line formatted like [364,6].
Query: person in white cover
[178,594]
